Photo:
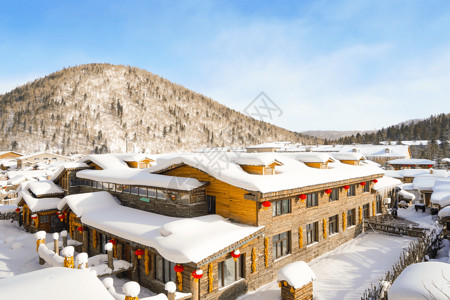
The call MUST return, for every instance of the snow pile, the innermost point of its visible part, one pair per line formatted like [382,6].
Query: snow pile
[82,260]
[131,289]
[422,280]
[170,287]
[64,233]
[54,284]
[68,251]
[47,187]
[55,236]
[108,246]
[296,274]
[17,179]
[40,235]
[50,256]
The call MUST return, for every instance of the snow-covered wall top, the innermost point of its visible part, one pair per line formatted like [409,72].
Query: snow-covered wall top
[297,274]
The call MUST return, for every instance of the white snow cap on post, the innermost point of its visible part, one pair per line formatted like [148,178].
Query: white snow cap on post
[64,233]
[40,235]
[170,287]
[131,289]
[108,246]
[82,258]
[296,274]
[55,236]
[68,251]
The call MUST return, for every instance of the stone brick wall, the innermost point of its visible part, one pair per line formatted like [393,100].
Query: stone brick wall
[303,293]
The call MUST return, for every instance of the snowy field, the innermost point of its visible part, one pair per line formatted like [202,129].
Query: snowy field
[18,255]
[347,271]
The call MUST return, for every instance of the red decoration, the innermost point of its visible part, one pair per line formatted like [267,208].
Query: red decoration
[34,217]
[113,241]
[328,191]
[197,274]
[61,217]
[139,253]
[362,184]
[266,204]
[17,210]
[178,268]
[375,180]
[235,254]
[302,196]
[429,166]
[80,229]
[346,187]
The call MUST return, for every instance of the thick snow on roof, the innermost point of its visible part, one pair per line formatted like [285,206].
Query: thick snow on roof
[30,173]
[407,173]
[17,179]
[132,156]
[269,145]
[446,160]
[312,157]
[179,240]
[378,150]
[412,161]
[38,204]
[39,153]
[386,182]
[292,174]
[79,203]
[441,192]
[140,177]
[445,212]
[46,187]
[106,161]
[297,274]
[54,284]
[348,156]
[247,159]
[71,165]
[417,281]
[426,182]
[407,195]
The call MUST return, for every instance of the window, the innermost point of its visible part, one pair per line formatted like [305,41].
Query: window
[312,200]
[164,270]
[334,195]
[351,214]
[281,244]
[333,225]
[230,271]
[134,190]
[281,207]
[351,191]
[211,200]
[44,218]
[143,191]
[366,188]
[379,205]
[151,193]
[312,233]
[126,189]
[366,210]
[160,195]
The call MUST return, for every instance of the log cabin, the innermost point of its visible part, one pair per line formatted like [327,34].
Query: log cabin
[292,208]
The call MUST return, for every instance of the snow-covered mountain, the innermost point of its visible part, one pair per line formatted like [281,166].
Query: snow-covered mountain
[110,108]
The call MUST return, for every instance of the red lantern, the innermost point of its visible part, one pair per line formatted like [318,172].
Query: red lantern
[375,180]
[61,217]
[139,253]
[34,217]
[17,210]
[266,204]
[235,254]
[346,187]
[362,184]
[197,274]
[178,268]
[80,229]
[302,196]
[113,241]
[328,191]
[429,166]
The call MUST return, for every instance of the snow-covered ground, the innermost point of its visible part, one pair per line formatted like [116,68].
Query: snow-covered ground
[347,271]
[18,255]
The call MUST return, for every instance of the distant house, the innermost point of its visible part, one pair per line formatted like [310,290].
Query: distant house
[411,163]
[7,159]
[35,158]
[9,155]
[379,153]
[267,147]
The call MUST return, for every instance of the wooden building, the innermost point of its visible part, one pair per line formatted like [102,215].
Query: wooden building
[40,157]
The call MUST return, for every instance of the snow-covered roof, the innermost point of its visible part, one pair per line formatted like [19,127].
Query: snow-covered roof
[446,160]
[54,284]
[412,161]
[269,145]
[441,192]
[5,152]
[30,173]
[38,204]
[445,212]
[79,203]
[291,175]
[40,153]
[140,177]
[296,274]
[179,240]
[348,156]
[47,187]
[313,157]
[247,159]
[378,150]
[407,173]
[106,161]
[426,182]
[420,281]
[386,182]
[71,165]
[132,156]
[407,195]
[17,179]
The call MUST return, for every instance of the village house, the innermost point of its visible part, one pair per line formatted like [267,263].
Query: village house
[240,217]
[411,163]
[40,157]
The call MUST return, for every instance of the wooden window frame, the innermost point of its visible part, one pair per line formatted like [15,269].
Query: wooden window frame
[333,225]
[312,198]
[280,241]
[312,233]
[334,195]
[279,204]
[351,217]
[238,271]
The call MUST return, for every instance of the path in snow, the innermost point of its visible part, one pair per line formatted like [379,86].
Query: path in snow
[347,271]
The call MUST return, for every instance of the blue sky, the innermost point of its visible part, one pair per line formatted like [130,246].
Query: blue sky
[328,65]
